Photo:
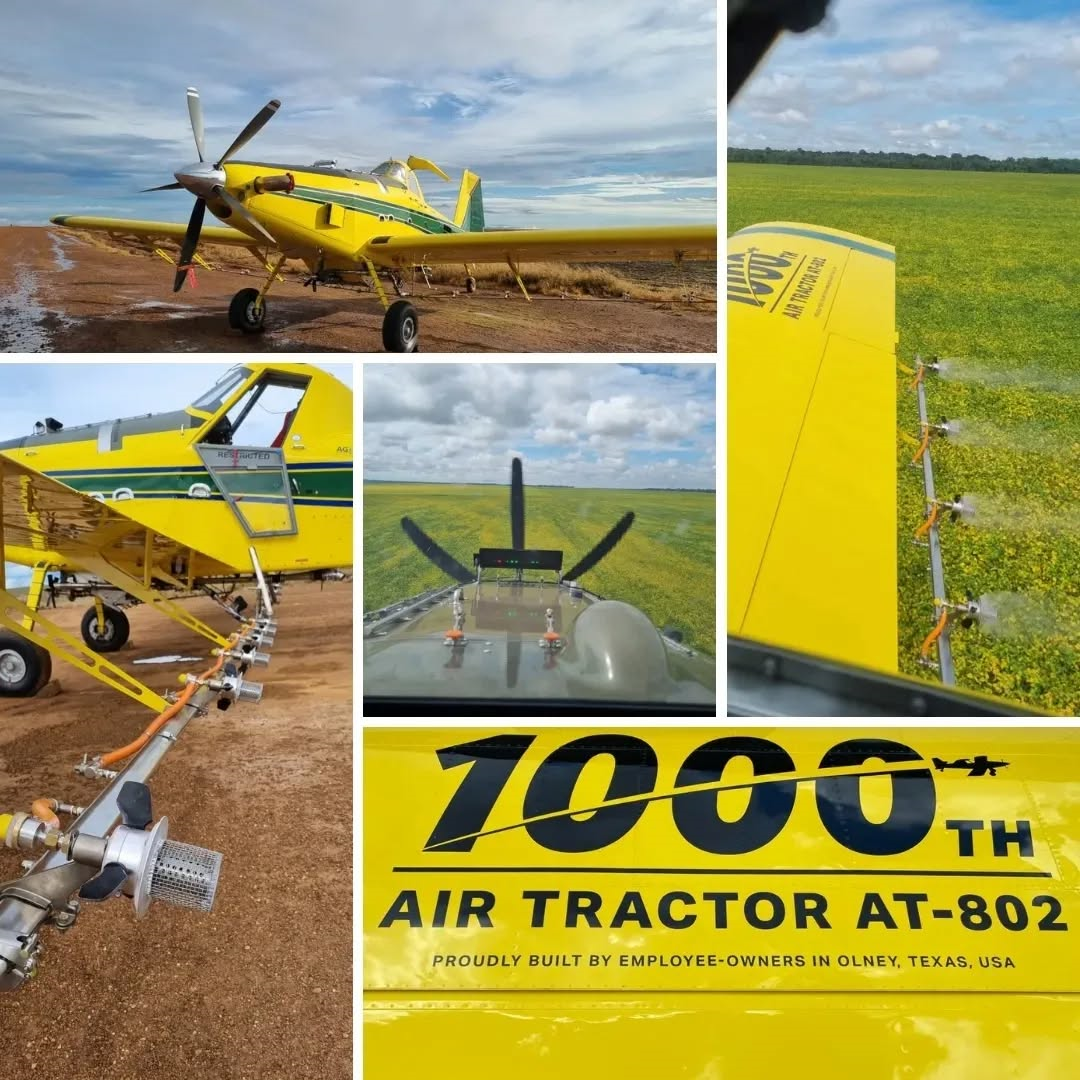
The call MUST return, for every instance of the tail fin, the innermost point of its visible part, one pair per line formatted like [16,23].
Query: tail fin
[469,214]
[938,764]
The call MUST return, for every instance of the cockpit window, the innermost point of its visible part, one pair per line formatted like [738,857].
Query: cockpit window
[228,382]
[392,172]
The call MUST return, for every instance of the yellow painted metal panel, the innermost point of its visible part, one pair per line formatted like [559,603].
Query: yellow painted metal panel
[570,245]
[662,902]
[172,230]
[811,428]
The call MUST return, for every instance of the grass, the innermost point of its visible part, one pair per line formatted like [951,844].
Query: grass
[983,272]
[665,564]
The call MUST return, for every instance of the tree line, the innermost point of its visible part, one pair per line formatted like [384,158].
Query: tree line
[893,159]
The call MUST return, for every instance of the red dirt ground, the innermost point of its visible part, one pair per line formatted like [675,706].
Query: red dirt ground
[61,293]
[262,986]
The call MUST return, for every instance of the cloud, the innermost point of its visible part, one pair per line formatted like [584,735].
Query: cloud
[919,75]
[583,425]
[527,95]
[918,60]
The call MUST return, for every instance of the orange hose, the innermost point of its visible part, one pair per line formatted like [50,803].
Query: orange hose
[928,524]
[923,445]
[42,809]
[935,633]
[124,752]
[918,377]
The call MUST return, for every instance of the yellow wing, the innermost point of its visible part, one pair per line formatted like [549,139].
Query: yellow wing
[40,516]
[812,442]
[167,230]
[567,245]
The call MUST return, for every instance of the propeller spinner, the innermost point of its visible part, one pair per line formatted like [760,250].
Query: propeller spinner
[207,181]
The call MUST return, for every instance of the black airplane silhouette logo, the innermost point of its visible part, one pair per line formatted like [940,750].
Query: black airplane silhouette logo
[979,765]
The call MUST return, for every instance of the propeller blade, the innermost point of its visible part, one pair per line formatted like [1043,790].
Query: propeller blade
[258,121]
[191,242]
[108,883]
[161,187]
[134,804]
[239,208]
[194,108]
[442,559]
[601,549]
[517,506]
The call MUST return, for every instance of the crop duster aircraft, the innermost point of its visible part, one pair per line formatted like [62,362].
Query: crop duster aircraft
[344,224]
[174,502]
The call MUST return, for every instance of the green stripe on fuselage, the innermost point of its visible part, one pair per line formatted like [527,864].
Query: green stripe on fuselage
[313,483]
[375,207]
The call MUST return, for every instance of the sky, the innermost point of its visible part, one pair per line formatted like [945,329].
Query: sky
[572,112]
[584,425]
[993,77]
[85,393]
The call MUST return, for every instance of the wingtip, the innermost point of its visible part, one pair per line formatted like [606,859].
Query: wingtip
[60,219]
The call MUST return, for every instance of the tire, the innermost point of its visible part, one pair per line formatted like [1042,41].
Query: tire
[401,328]
[245,313]
[24,667]
[470,284]
[117,630]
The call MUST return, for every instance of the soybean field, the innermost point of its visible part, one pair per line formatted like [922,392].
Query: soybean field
[665,564]
[986,277]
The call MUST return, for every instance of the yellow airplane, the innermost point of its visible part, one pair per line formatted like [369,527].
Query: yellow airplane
[684,902]
[344,224]
[174,502]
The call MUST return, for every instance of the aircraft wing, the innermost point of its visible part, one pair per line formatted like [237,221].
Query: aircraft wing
[566,245]
[812,442]
[155,230]
[40,514]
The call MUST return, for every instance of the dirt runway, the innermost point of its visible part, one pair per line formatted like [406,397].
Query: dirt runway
[61,293]
[262,986]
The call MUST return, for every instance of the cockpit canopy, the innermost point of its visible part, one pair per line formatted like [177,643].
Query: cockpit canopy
[397,174]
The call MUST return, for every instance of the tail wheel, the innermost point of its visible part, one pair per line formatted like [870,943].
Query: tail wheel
[114,636]
[470,284]
[24,667]
[246,313]
[401,328]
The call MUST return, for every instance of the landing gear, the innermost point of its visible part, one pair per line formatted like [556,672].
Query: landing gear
[470,284]
[24,667]
[247,312]
[401,328]
[115,634]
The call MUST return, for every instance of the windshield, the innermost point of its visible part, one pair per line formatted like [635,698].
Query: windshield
[212,399]
[504,504]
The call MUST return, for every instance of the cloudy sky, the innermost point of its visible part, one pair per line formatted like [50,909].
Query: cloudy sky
[571,111]
[586,425]
[85,393]
[993,77]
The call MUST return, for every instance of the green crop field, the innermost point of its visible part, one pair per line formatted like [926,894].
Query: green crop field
[665,564]
[984,273]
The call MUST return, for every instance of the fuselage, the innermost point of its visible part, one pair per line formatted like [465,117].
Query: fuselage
[331,212]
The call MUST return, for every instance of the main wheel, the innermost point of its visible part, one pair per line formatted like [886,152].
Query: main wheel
[401,328]
[24,667]
[114,636]
[246,313]
[470,284]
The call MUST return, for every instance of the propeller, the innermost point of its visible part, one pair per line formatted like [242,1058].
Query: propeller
[613,537]
[206,181]
[451,567]
[517,505]
[134,805]
[441,558]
